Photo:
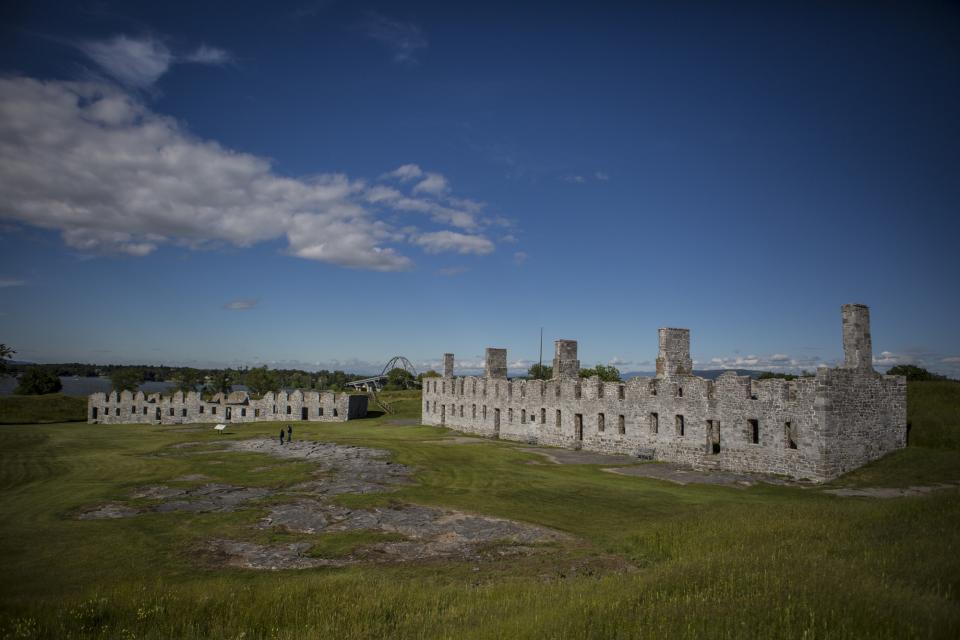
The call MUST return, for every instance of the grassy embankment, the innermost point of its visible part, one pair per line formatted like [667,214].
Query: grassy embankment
[53,407]
[711,561]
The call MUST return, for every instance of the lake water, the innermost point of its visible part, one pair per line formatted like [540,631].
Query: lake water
[84,386]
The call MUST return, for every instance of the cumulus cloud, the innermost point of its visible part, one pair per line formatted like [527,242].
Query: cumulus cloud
[138,62]
[89,160]
[403,39]
[405,173]
[434,184]
[241,304]
[438,241]
[774,362]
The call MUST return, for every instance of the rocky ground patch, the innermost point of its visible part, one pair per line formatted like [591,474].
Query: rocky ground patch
[424,532]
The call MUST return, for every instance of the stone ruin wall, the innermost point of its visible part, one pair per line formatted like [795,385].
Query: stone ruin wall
[814,428]
[237,407]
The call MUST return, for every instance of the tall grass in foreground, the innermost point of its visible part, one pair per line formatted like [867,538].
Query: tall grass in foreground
[700,562]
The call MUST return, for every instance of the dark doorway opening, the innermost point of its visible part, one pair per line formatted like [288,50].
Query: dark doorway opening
[158,414]
[578,428]
[94,414]
[713,437]
[496,423]
[443,415]
[229,412]
[303,413]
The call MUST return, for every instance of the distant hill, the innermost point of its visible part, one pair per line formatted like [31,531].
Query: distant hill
[709,374]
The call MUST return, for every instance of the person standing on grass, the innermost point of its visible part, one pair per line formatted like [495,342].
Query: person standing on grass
[289,433]
[281,435]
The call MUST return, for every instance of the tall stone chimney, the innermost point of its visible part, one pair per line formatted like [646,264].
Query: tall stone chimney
[857,344]
[674,358]
[496,363]
[565,363]
[448,365]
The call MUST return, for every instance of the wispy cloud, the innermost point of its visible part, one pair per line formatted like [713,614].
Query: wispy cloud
[451,271]
[138,62]
[11,282]
[130,180]
[241,304]
[520,257]
[403,39]
[438,241]
[577,178]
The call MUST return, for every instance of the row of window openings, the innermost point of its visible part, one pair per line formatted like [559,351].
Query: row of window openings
[713,426]
[213,411]
[621,390]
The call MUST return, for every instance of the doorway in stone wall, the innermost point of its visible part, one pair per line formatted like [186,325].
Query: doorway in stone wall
[713,437]
[443,415]
[158,414]
[578,429]
[496,423]
[229,412]
[303,413]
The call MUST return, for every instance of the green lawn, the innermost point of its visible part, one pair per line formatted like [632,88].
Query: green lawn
[707,561]
[53,407]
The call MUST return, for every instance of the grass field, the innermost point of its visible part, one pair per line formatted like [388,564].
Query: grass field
[705,561]
[54,407]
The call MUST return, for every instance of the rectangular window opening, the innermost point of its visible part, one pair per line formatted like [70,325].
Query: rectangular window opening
[601,422]
[680,425]
[654,423]
[790,436]
[621,424]
[754,431]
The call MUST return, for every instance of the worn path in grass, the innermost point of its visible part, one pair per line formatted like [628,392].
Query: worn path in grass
[712,561]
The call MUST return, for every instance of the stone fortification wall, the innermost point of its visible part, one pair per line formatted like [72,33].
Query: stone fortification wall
[814,428]
[180,408]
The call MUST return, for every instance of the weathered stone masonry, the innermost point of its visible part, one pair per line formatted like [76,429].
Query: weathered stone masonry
[180,408]
[815,428]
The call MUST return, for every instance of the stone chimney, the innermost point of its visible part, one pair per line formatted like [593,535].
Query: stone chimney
[496,363]
[857,344]
[565,363]
[448,365]
[674,358]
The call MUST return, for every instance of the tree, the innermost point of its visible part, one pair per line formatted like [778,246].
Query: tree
[186,379]
[604,372]
[220,382]
[260,380]
[913,373]
[37,381]
[126,379]
[428,374]
[5,354]
[398,378]
[540,372]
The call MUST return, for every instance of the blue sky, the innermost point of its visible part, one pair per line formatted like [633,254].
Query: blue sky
[329,184]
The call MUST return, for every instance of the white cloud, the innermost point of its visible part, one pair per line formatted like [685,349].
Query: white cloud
[617,361]
[138,62]
[405,173]
[951,360]
[404,39]
[520,257]
[439,241]
[575,179]
[135,62]
[205,54]
[434,184]
[11,282]
[601,176]
[512,239]
[241,304]
[774,362]
[92,162]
